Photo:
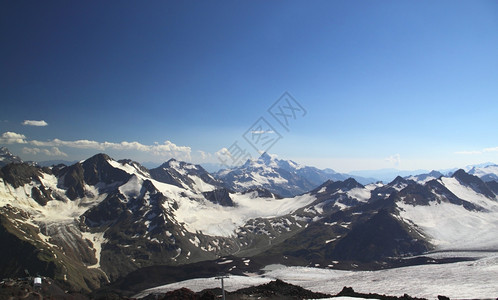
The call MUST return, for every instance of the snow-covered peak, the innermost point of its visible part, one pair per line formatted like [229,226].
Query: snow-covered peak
[6,157]
[267,158]
[423,178]
[130,167]
[185,175]
[272,161]
[479,166]
[486,172]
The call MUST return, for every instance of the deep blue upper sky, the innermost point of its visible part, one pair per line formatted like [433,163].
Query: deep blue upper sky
[406,84]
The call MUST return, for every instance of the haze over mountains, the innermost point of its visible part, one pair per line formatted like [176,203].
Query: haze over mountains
[93,222]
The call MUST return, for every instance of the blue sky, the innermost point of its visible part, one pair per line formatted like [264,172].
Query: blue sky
[379,84]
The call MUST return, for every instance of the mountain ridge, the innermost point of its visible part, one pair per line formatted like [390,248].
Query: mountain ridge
[99,219]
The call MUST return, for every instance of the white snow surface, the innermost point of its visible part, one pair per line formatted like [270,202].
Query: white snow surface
[199,185]
[468,194]
[64,211]
[216,220]
[265,177]
[97,240]
[462,280]
[484,170]
[360,194]
[59,213]
[421,181]
[451,226]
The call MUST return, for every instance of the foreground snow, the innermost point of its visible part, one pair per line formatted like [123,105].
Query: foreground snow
[471,279]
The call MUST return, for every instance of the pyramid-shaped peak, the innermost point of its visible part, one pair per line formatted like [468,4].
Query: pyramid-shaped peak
[435,174]
[466,178]
[398,180]
[460,174]
[98,158]
[351,183]
[267,158]
[168,163]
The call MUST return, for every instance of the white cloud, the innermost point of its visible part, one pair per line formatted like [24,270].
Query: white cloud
[54,151]
[34,123]
[33,151]
[262,131]
[495,149]
[469,152]
[474,152]
[80,144]
[170,149]
[12,138]
[223,152]
[394,159]
[204,155]
[166,149]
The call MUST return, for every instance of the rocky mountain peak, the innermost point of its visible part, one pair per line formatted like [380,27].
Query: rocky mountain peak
[6,157]
[473,182]
[435,174]
[398,180]
[266,158]
[168,164]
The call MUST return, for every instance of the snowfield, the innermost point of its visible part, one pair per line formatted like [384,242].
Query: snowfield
[462,280]
[452,227]
[216,220]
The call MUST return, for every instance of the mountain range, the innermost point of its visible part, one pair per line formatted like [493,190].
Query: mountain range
[100,220]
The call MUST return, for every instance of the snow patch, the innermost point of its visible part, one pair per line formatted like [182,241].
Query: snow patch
[360,194]
[97,240]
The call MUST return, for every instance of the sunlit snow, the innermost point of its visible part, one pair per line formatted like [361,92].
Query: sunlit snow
[217,220]
[467,280]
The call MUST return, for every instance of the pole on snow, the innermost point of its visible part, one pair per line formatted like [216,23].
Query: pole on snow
[221,277]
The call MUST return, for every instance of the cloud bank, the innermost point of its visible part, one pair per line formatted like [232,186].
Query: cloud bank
[54,151]
[167,148]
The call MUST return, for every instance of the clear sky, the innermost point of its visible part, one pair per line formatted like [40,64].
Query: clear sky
[346,85]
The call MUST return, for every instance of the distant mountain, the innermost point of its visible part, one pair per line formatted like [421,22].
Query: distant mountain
[386,175]
[283,177]
[487,172]
[212,167]
[6,157]
[423,178]
[49,163]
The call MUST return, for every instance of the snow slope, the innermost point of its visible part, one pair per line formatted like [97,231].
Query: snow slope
[462,280]
[451,226]
[214,219]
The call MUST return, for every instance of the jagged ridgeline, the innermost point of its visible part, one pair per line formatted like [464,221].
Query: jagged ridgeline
[95,221]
